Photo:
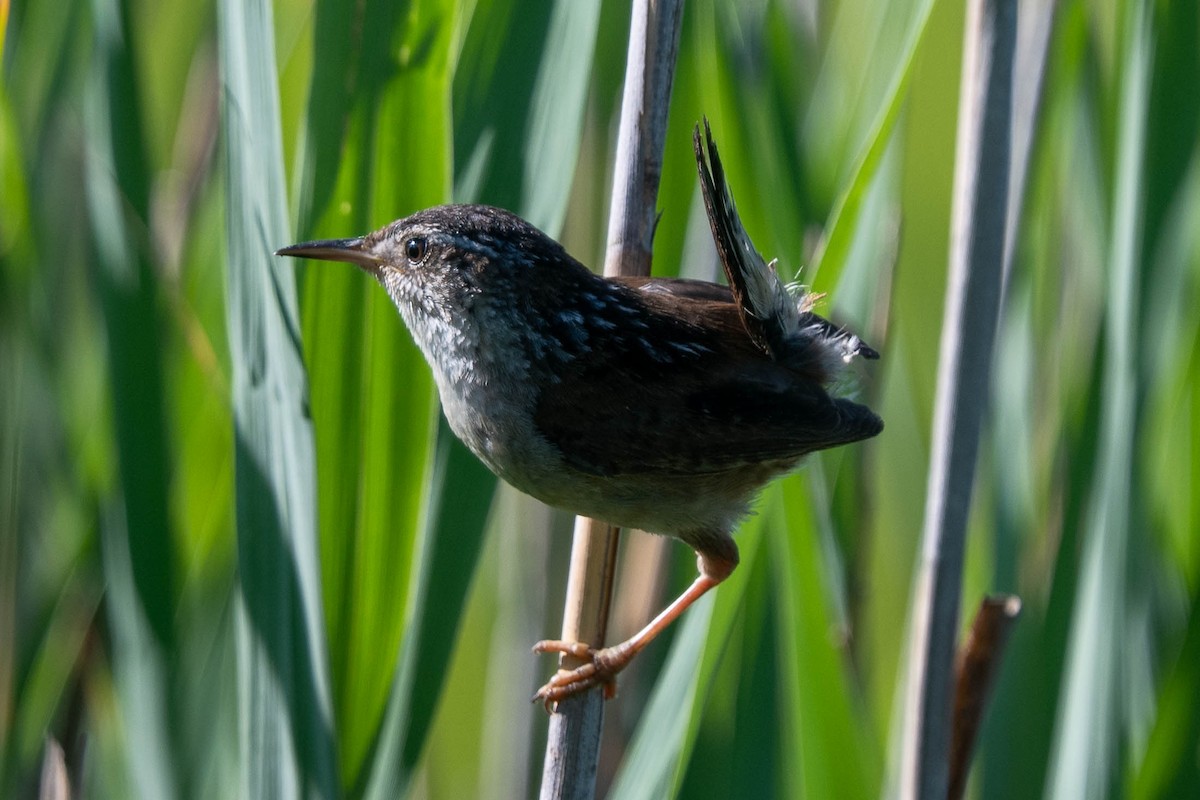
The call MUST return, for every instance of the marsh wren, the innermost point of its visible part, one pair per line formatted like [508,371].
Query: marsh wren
[661,404]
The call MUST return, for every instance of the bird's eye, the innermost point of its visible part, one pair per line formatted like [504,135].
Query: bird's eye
[415,249]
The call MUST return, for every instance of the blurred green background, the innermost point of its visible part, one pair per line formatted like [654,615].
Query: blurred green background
[218,574]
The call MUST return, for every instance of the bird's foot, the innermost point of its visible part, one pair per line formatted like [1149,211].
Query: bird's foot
[600,668]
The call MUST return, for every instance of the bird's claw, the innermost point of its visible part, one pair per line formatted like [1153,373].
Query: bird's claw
[595,671]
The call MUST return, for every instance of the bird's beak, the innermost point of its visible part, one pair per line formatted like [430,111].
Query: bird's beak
[352,251]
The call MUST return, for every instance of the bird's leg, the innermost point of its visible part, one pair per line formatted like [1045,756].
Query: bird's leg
[602,665]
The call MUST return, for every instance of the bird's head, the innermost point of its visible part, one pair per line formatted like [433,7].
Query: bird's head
[446,256]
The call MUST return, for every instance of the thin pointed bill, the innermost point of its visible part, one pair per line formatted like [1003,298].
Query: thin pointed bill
[352,251]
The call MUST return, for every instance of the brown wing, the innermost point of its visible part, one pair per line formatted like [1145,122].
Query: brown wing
[681,289]
[689,392]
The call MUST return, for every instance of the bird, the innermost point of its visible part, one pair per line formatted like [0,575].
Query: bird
[658,404]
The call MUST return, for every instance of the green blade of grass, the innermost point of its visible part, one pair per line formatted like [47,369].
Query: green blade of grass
[556,113]
[843,221]
[286,726]
[337,43]
[119,200]
[1169,769]
[1083,762]
[493,89]
[451,540]
[373,399]
[826,732]
[137,535]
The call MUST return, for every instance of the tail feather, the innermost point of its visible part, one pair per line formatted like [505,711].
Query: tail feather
[777,319]
[768,311]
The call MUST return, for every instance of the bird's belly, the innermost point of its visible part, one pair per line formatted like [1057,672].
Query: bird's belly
[667,504]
